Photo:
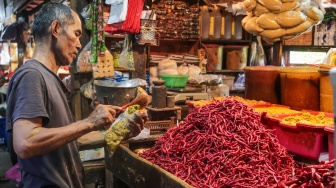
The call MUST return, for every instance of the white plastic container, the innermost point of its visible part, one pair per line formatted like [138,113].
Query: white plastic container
[228,80]
[218,91]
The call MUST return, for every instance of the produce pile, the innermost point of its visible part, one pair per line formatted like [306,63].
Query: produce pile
[321,175]
[277,20]
[276,110]
[223,144]
[319,119]
[248,102]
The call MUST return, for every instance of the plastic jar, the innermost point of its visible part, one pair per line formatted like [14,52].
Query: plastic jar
[228,26]
[326,92]
[263,83]
[236,56]
[300,87]
[238,29]
[217,22]
[205,25]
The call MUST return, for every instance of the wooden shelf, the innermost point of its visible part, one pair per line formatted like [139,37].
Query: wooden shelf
[226,71]
[121,69]
[178,40]
[115,36]
[308,48]
[226,41]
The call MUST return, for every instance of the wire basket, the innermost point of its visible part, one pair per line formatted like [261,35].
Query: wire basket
[148,32]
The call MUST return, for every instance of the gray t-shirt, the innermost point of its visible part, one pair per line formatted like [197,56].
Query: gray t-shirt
[35,91]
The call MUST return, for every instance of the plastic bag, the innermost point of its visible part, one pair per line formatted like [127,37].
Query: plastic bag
[240,83]
[126,59]
[143,135]
[104,67]
[183,70]
[83,62]
[87,15]
[120,129]
[67,82]
[330,58]
[4,55]
[87,90]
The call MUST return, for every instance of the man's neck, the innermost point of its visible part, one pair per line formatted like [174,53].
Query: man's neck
[44,55]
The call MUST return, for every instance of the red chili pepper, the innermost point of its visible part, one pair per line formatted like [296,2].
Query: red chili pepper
[223,144]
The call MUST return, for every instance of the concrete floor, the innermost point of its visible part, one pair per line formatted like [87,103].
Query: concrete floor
[5,164]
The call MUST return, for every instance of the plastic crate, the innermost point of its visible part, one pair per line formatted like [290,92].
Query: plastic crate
[276,110]
[312,142]
[330,132]
[332,74]
[159,126]
[273,122]
[303,140]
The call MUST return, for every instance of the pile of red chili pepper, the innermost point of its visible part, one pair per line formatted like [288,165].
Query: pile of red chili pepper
[319,176]
[223,144]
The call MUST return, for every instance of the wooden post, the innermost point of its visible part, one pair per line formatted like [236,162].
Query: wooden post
[140,59]
[277,53]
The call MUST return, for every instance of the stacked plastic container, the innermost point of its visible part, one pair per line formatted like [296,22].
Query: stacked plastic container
[304,138]
[331,133]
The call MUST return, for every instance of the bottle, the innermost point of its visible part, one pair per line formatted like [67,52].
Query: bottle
[205,23]
[228,26]
[212,24]
[217,22]
[238,29]
[223,14]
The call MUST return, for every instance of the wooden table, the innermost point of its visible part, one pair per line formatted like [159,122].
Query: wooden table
[134,171]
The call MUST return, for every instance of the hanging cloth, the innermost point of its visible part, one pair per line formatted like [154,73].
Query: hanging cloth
[131,25]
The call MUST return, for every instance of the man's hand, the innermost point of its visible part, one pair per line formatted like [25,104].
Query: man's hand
[136,123]
[103,116]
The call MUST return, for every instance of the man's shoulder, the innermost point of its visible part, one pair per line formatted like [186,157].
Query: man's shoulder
[31,66]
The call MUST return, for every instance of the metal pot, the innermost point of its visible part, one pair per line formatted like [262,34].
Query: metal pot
[117,93]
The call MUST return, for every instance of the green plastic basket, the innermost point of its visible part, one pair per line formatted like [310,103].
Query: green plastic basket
[175,81]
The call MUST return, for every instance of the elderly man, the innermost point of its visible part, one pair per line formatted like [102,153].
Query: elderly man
[38,117]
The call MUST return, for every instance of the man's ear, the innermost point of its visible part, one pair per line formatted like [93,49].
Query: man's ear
[55,28]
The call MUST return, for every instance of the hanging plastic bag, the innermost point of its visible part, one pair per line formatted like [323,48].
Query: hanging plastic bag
[126,59]
[4,55]
[330,58]
[87,90]
[87,15]
[83,62]
[104,67]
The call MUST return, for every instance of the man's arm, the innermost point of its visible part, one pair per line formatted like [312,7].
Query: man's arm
[31,139]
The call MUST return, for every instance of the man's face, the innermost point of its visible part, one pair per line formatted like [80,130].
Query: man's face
[69,43]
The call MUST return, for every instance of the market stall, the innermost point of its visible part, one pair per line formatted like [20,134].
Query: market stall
[227,105]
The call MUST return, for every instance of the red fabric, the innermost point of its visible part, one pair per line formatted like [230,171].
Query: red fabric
[131,25]
[14,174]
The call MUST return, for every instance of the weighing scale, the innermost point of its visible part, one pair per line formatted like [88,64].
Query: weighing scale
[187,93]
